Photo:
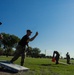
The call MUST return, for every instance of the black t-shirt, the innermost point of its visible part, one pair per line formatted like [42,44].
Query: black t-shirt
[68,56]
[57,53]
[24,41]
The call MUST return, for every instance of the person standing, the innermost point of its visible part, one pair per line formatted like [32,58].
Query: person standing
[68,58]
[21,47]
[56,55]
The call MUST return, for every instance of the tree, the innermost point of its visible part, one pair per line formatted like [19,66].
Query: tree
[8,51]
[42,55]
[9,42]
[1,51]
[35,52]
[28,51]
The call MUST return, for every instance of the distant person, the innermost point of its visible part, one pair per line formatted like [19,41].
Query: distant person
[56,55]
[1,36]
[21,47]
[68,58]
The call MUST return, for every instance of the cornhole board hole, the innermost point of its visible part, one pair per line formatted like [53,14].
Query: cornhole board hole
[12,67]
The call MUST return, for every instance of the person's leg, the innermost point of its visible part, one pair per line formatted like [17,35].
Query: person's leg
[68,61]
[16,54]
[57,59]
[22,58]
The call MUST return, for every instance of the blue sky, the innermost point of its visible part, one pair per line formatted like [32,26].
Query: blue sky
[53,19]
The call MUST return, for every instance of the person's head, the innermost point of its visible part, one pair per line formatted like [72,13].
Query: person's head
[28,32]
[67,52]
[55,51]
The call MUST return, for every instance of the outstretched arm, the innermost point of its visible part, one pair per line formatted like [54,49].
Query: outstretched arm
[31,39]
[53,54]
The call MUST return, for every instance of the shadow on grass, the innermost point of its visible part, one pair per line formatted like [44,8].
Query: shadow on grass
[53,65]
[46,64]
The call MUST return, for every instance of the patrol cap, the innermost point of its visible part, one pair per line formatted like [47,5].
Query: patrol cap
[29,31]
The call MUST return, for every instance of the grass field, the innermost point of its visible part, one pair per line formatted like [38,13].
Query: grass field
[44,66]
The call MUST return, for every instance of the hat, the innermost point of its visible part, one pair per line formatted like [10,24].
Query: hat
[29,31]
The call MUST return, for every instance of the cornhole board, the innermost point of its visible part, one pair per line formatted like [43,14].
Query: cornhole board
[12,67]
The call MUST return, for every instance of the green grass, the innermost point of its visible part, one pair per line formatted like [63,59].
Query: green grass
[44,66]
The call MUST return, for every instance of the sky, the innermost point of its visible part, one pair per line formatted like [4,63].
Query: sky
[53,19]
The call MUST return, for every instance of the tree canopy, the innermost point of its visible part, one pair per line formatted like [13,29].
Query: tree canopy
[10,41]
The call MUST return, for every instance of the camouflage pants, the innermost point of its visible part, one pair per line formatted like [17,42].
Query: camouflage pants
[20,51]
[68,60]
[57,59]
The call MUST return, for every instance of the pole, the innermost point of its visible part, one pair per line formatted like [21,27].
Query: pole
[45,52]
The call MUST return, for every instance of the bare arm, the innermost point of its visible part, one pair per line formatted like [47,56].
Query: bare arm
[31,39]
[53,54]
